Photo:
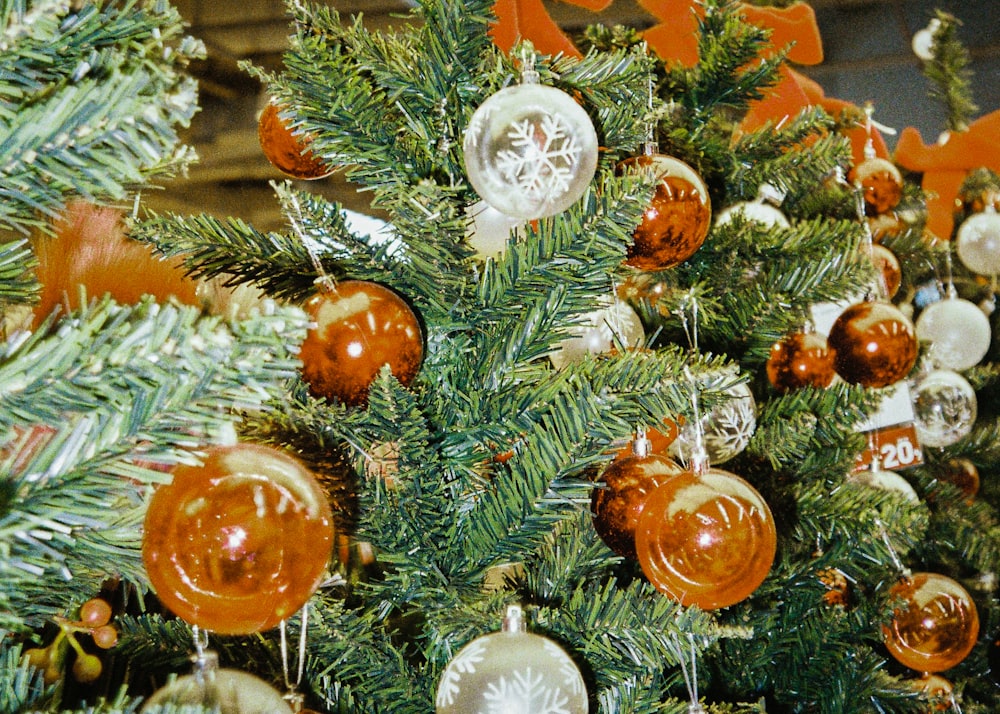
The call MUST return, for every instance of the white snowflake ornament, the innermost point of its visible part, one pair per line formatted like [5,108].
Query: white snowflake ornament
[530,150]
[511,672]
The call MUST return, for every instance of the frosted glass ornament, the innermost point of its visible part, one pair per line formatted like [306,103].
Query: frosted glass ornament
[489,231]
[886,481]
[530,151]
[616,325]
[726,429]
[944,407]
[978,242]
[511,672]
[226,691]
[759,210]
[958,332]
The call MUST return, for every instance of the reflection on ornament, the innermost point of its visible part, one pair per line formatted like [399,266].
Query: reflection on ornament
[239,543]
[759,211]
[726,429]
[287,151]
[962,474]
[886,481]
[677,220]
[978,242]
[944,407]
[875,344]
[881,184]
[511,671]
[707,540]
[530,151]
[937,625]
[938,692]
[889,270]
[617,502]
[489,231]
[226,691]
[802,359]
[958,332]
[359,327]
[615,325]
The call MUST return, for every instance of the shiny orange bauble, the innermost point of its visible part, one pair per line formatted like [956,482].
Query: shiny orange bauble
[802,359]
[359,326]
[707,540]
[617,502]
[239,543]
[288,152]
[962,474]
[881,184]
[936,626]
[677,220]
[874,344]
[890,272]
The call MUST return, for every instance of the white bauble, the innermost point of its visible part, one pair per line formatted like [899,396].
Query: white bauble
[489,231]
[226,691]
[958,332]
[530,151]
[616,325]
[726,430]
[944,407]
[978,242]
[887,481]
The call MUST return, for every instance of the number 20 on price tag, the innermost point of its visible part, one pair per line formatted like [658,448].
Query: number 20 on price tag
[896,446]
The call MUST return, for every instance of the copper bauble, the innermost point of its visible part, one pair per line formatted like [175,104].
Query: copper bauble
[881,184]
[889,270]
[677,220]
[875,344]
[616,505]
[288,152]
[936,626]
[802,359]
[239,543]
[359,326]
[707,540]
[962,474]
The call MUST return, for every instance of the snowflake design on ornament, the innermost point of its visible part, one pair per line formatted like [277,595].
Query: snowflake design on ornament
[465,662]
[570,674]
[524,693]
[541,162]
[730,428]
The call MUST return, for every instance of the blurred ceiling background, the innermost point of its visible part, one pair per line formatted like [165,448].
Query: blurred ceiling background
[868,57]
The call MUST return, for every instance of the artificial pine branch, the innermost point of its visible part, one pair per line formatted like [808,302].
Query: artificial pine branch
[948,70]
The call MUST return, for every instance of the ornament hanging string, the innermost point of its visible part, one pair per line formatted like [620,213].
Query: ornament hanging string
[690,675]
[294,697]
[324,282]
[904,572]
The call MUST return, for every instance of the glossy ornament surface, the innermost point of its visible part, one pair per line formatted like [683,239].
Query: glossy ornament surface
[511,671]
[958,332]
[944,407]
[674,225]
[618,500]
[802,359]
[875,344]
[881,184]
[288,152]
[359,326]
[937,625]
[614,325]
[961,473]
[489,231]
[707,540]
[978,242]
[239,543]
[889,271]
[226,691]
[530,151]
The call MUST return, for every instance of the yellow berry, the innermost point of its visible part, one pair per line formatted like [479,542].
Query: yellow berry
[87,668]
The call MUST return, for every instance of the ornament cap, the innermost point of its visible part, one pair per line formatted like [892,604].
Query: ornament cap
[514,620]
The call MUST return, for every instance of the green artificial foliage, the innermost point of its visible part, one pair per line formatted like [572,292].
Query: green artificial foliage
[468,489]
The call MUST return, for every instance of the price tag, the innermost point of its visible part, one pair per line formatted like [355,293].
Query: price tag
[897,448]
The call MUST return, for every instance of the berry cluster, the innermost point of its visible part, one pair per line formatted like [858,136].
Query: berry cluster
[95,616]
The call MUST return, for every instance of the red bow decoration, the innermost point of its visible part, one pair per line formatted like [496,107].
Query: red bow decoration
[946,164]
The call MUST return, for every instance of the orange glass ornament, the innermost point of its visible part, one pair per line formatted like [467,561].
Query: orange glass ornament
[874,344]
[707,540]
[801,359]
[938,691]
[627,481]
[889,269]
[937,626]
[288,152]
[881,184]
[962,474]
[239,543]
[359,327]
[677,220]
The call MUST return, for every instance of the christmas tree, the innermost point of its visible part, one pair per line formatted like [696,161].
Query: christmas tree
[621,411]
